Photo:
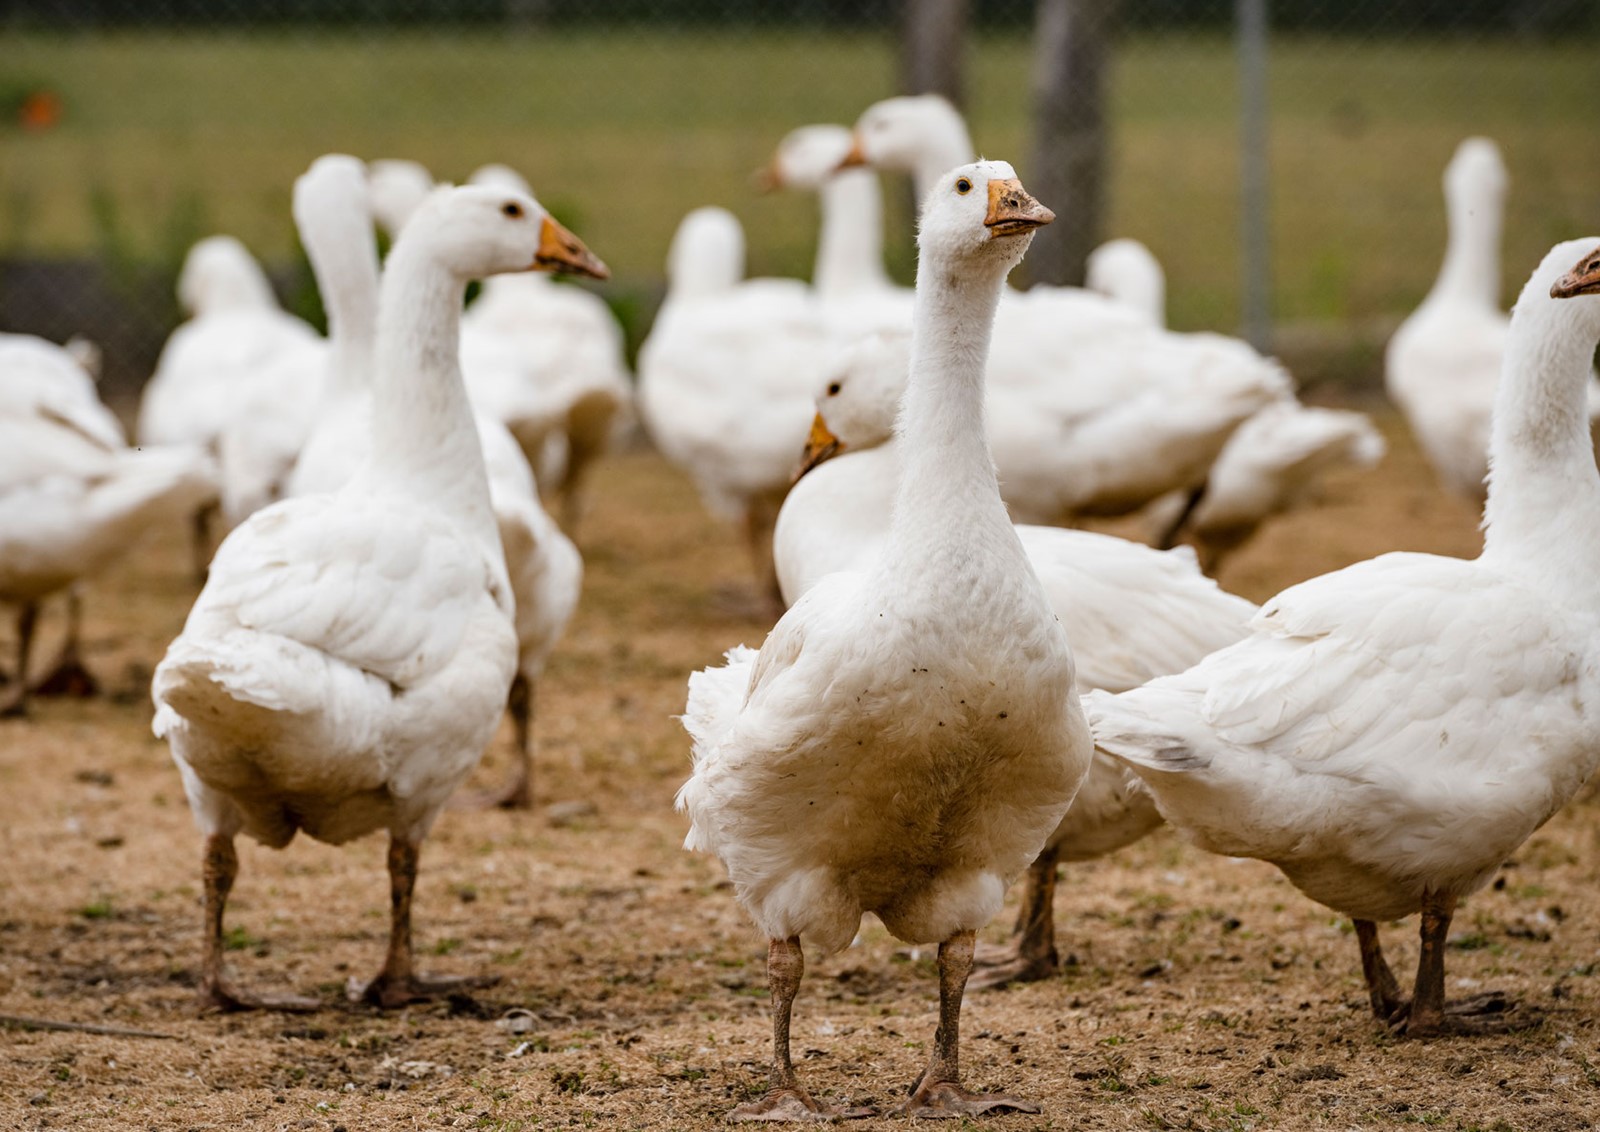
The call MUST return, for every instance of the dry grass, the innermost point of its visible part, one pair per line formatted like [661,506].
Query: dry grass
[1204,994]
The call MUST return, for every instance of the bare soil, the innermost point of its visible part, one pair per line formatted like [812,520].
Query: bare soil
[1200,992]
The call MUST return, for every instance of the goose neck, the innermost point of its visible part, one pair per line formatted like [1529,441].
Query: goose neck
[948,489]
[345,263]
[1543,508]
[424,440]
[1471,268]
[850,247]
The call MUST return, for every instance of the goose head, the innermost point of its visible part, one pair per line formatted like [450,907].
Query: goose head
[979,215]
[219,273]
[1476,174]
[396,189]
[707,253]
[898,133]
[857,403]
[1127,271]
[1584,278]
[805,158]
[476,231]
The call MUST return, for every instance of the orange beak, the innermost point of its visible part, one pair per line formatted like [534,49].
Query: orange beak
[768,178]
[1581,280]
[856,158]
[821,446]
[560,250]
[1012,211]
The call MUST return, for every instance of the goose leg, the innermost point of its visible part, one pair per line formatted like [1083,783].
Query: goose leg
[68,676]
[1382,987]
[1169,537]
[938,1092]
[15,703]
[517,793]
[1031,956]
[787,1099]
[398,983]
[588,431]
[1429,1015]
[201,549]
[216,991]
[759,519]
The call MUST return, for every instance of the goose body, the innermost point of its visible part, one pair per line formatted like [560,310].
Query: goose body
[1443,364]
[725,377]
[1390,733]
[907,736]
[1132,613]
[350,655]
[1270,462]
[542,565]
[236,329]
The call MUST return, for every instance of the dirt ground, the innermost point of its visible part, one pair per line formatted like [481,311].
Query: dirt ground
[1201,992]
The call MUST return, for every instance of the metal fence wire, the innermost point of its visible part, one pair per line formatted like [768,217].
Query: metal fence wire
[128,131]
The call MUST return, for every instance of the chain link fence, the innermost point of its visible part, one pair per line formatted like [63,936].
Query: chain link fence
[127,131]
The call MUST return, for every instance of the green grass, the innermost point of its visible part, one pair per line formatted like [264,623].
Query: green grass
[170,135]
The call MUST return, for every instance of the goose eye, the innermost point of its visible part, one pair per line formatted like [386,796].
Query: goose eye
[512,209]
[833,389]
[963,186]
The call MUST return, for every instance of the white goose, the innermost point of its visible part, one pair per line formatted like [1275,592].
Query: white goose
[1094,409]
[208,368]
[849,278]
[725,377]
[908,736]
[1390,733]
[570,352]
[1443,363]
[1131,613]
[546,571]
[73,495]
[350,654]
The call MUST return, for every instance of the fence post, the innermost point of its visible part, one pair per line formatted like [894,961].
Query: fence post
[933,43]
[1250,34]
[1071,58]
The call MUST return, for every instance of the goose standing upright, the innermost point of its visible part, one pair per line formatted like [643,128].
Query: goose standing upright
[725,377]
[332,212]
[1131,612]
[1443,363]
[208,367]
[1390,733]
[849,278]
[907,736]
[350,654]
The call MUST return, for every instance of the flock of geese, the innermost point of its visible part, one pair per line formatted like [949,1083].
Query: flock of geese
[962,688]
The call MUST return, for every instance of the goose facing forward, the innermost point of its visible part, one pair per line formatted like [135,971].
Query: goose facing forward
[908,735]
[1131,612]
[350,655]
[1390,733]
